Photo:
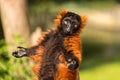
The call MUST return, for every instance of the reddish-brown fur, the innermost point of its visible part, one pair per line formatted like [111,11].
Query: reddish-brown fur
[71,43]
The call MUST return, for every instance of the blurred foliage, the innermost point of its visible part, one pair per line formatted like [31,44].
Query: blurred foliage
[107,71]
[12,68]
[4,60]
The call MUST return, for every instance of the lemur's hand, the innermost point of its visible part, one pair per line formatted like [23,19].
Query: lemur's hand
[20,53]
[72,63]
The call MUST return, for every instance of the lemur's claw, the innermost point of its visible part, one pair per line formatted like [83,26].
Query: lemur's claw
[72,64]
[20,53]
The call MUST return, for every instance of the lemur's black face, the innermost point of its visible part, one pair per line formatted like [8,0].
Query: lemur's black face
[70,23]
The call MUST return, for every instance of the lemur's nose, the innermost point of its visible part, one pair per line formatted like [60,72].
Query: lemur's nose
[68,27]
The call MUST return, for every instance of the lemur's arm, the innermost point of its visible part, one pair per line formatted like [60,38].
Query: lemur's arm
[73,55]
[32,51]
[72,61]
[24,51]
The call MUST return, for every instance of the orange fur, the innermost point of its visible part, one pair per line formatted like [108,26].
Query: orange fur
[38,55]
[71,43]
[84,19]
[64,73]
[36,68]
[35,78]
[41,38]
[61,13]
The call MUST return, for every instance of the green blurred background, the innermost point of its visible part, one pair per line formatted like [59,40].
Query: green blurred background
[100,38]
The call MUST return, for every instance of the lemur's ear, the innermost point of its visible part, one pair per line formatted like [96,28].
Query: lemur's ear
[61,13]
[83,21]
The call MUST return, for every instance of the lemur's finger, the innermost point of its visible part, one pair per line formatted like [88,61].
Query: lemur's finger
[21,48]
[15,54]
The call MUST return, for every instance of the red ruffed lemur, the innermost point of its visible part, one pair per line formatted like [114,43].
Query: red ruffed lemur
[59,51]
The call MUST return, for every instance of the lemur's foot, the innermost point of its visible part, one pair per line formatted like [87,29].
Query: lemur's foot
[73,64]
[20,53]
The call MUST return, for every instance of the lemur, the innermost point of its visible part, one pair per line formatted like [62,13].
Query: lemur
[59,51]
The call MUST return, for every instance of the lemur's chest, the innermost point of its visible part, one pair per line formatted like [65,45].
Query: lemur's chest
[72,43]
[54,47]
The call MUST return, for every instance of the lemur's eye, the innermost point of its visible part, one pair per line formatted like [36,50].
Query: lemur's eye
[65,22]
[75,25]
